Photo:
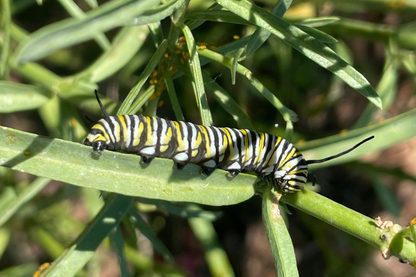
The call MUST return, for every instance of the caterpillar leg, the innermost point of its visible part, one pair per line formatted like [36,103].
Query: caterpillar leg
[147,160]
[206,171]
[233,172]
[180,166]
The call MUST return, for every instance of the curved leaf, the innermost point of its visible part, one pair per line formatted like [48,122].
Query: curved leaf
[72,31]
[305,44]
[17,97]
[278,235]
[121,173]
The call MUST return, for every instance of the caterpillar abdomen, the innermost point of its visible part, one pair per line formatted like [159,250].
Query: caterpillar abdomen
[233,150]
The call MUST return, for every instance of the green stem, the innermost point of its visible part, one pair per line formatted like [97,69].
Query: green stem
[349,221]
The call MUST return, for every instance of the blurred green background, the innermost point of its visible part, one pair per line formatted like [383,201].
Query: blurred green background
[377,38]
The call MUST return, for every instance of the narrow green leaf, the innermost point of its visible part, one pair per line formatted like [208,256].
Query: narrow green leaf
[25,270]
[145,229]
[75,11]
[197,79]
[387,88]
[120,173]
[413,232]
[304,43]
[185,212]
[76,256]
[173,97]
[117,244]
[16,97]
[236,57]
[195,23]
[92,3]
[6,25]
[215,256]
[47,240]
[287,114]
[141,100]
[319,35]
[126,44]
[227,102]
[5,235]
[128,107]
[216,16]
[318,21]
[278,235]
[261,35]
[11,207]
[399,128]
[72,31]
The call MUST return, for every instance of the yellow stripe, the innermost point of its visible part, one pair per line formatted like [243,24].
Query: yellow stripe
[230,145]
[167,137]
[181,143]
[124,126]
[101,128]
[288,156]
[163,148]
[149,138]
[208,153]
[138,134]
[196,144]
[260,150]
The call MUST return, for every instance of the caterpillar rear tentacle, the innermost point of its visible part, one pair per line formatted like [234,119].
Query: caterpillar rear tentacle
[235,150]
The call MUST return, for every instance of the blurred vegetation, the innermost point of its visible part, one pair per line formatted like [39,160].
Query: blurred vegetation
[222,63]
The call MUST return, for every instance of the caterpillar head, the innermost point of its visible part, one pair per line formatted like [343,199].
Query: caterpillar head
[292,185]
[97,139]
[289,182]
[292,176]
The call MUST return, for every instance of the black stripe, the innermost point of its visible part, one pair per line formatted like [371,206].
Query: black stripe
[287,147]
[158,134]
[112,127]
[131,130]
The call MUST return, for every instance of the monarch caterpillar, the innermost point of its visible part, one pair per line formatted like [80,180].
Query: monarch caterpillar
[234,150]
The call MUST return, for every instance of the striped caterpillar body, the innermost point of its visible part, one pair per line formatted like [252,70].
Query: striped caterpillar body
[234,150]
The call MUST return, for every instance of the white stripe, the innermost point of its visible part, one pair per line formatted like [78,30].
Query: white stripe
[148,151]
[278,153]
[135,127]
[250,149]
[184,135]
[263,161]
[210,164]
[181,157]
[154,131]
[115,123]
[234,153]
[163,133]
[221,142]
[212,141]
[235,165]
[194,133]
[108,130]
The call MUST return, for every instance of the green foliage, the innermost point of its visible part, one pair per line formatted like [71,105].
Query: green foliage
[250,82]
